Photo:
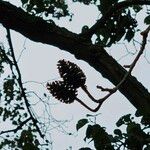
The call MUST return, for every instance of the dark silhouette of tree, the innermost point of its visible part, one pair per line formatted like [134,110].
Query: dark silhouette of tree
[35,21]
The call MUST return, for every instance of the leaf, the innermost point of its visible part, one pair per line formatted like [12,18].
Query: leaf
[37,142]
[118,132]
[8,88]
[123,120]
[100,137]
[129,35]
[105,5]
[147,20]
[138,114]
[127,118]
[119,122]
[133,128]
[1,110]
[89,132]
[81,123]
[25,115]
[24,1]
[14,122]
[85,29]
[45,95]
[137,8]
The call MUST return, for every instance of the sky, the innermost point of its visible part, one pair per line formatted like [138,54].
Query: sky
[38,62]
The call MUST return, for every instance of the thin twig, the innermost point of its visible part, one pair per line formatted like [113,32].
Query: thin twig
[18,127]
[113,90]
[87,107]
[20,83]
[144,34]
[24,48]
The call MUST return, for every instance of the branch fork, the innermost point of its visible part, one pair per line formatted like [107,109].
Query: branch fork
[73,78]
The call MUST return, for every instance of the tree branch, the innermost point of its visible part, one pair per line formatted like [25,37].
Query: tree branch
[111,91]
[39,30]
[20,83]
[113,9]
[87,107]
[18,127]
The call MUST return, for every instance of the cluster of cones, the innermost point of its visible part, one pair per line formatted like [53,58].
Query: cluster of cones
[72,78]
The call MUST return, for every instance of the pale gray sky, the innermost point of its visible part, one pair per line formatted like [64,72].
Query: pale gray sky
[38,63]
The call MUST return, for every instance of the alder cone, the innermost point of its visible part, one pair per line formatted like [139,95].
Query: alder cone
[71,73]
[62,92]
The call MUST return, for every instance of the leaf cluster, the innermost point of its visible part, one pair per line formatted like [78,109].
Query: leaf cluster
[25,140]
[121,23]
[55,8]
[136,135]
[22,134]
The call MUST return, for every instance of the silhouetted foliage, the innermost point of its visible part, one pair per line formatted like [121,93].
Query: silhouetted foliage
[118,21]
[135,136]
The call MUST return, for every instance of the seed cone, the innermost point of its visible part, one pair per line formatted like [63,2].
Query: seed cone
[62,92]
[71,73]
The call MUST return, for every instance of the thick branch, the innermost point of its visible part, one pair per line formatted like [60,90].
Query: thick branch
[112,10]
[113,90]
[40,31]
